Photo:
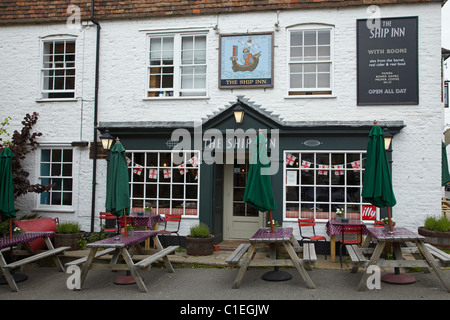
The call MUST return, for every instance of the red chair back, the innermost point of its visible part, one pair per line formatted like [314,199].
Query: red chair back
[378,224]
[351,229]
[306,222]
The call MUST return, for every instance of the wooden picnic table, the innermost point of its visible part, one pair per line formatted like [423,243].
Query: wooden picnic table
[119,245]
[282,236]
[401,235]
[18,241]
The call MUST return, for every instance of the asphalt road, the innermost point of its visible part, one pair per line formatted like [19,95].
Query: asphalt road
[209,284]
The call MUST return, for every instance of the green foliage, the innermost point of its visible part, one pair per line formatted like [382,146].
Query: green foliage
[441,224]
[21,144]
[89,237]
[68,227]
[200,231]
[4,227]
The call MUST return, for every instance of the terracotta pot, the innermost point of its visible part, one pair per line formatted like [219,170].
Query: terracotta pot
[199,246]
[436,238]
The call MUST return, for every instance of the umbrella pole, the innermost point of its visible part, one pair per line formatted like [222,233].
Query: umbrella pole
[390,219]
[125,222]
[271,221]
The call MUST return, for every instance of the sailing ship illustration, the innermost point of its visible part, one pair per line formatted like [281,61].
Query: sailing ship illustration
[250,60]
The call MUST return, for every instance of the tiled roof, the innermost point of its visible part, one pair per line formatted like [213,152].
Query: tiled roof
[36,11]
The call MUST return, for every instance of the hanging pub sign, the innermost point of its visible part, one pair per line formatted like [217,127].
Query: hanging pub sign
[246,60]
[387,61]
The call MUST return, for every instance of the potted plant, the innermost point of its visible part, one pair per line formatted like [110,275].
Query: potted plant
[68,234]
[386,223]
[148,211]
[436,231]
[275,225]
[339,214]
[199,242]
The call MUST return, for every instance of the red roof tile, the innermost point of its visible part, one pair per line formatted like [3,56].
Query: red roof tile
[37,11]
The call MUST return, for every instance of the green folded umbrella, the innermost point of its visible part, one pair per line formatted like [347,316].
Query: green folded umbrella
[445,173]
[6,184]
[377,184]
[117,185]
[258,190]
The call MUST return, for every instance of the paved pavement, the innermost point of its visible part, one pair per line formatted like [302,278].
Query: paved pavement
[208,278]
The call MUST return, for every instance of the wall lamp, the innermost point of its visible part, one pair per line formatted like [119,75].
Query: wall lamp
[238,114]
[107,140]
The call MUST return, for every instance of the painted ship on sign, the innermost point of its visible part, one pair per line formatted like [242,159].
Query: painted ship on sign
[250,60]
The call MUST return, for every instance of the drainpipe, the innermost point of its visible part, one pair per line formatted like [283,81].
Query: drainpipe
[94,158]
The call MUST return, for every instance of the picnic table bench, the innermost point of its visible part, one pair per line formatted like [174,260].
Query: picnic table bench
[244,255]
[23,240]
[119,246]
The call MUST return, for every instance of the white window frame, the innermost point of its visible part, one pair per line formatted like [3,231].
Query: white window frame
[43,93]
[314,167]
[176,92]
[48,206]
[310,92]
[160,182]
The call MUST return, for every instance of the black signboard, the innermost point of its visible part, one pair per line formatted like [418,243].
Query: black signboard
[387,61]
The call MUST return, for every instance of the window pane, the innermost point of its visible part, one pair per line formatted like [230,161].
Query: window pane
[296,38]
[323,37]
[310,38]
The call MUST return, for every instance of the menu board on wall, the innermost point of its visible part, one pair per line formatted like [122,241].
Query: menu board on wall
[387,61]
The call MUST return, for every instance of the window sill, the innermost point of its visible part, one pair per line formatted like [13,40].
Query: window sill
[311,97]
[57,100]
[176,98]
[54,210]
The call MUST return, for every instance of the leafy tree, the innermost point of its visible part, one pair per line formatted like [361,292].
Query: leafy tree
[21,144]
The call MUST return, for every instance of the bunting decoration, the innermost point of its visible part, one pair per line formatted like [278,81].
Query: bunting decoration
[193,161]
[137,169]
[153,174]
[339,172]
[290,159]
[306,165]
[356,165]
[167,173]
[181,169]
[323,171]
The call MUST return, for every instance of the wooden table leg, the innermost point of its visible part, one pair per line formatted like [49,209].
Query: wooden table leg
[126,256]
[427,255]
[373,261]
[87,265]
[7,273]
[244,266]
[333,248]
[56,260]
[299,265]
[166,260]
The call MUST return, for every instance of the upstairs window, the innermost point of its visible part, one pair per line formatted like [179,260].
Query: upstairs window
[177,66]
[58,69]
[310,61]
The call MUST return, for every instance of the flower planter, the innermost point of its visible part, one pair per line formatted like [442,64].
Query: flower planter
[199,246]
[67,240]
[436,238]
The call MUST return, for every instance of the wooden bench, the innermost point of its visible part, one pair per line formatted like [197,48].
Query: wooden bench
[237,254]
[309,255]
[443,257]
[83,260]
[357,257]
[36,257]
[154,257]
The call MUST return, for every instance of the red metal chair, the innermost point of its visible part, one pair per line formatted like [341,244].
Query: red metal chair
[109,219]
[309,223]
[121,222]
[349,230]
[171,225]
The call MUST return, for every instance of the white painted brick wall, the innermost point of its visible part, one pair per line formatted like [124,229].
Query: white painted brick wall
[416,156]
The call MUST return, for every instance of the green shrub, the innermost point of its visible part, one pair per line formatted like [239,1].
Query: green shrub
[430,223]
[200,231]
[443,224]
[68,227]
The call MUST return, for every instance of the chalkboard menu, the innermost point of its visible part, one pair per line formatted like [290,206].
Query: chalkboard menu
[387,61]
